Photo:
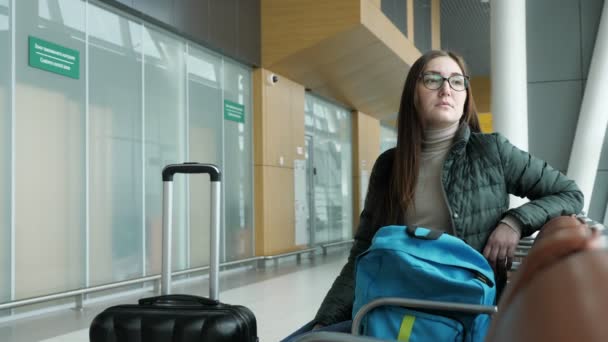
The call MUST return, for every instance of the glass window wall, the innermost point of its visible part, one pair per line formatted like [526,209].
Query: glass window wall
[165,141]
[115,148]
[331,129]
[388,137]
[88,151]
[238,165]
[205,143]
[50,140]
[5,151]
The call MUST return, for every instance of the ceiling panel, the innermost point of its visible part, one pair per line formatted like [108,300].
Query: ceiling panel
[465,29]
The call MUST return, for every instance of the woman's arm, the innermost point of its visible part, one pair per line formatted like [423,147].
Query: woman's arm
[338,303]
[551,193]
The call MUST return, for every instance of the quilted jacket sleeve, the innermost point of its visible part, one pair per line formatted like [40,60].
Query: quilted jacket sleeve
[338,303]
[550,192]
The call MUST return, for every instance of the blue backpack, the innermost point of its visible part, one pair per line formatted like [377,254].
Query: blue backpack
[423,264]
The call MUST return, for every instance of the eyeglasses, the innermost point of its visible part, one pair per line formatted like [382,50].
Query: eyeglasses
[434,81]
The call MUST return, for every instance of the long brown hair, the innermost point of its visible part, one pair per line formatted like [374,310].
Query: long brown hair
[410,128]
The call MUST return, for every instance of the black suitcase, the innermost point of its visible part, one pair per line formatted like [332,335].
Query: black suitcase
[179,318]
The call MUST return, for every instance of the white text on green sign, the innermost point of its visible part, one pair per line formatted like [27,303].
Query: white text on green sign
[234,111]
[54,58]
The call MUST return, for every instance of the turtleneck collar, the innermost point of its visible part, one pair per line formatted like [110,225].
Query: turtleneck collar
[436,140]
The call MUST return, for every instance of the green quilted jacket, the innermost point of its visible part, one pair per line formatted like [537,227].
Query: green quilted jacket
[480,172]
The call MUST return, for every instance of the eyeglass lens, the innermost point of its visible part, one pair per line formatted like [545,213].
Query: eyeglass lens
[435,81]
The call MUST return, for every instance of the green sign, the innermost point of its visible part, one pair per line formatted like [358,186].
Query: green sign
[234,111]
[54,58]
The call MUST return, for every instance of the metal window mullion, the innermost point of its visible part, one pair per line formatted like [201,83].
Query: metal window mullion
[223,163]
[252,163]
[187,144]
[606,216]
[87,191]
[143,151]
[13,146]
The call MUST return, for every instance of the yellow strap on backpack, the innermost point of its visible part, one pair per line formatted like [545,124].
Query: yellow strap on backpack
[407,324]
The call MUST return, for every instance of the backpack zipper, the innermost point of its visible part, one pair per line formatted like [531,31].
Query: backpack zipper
[483,278]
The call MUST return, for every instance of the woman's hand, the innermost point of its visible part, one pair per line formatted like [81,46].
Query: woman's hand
[500,248]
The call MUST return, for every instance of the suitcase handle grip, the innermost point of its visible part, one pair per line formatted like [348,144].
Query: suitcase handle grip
[191,167]
[178,300]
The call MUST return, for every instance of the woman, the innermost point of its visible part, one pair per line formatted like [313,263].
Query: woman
[445,174]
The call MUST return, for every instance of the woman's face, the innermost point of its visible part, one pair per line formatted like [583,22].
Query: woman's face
[444,106]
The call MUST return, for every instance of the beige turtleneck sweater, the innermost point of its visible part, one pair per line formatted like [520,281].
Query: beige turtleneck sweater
[430,209]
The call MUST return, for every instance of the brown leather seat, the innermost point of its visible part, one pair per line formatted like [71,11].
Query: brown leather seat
[560,292]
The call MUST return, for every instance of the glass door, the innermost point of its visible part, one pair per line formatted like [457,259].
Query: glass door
[310,193]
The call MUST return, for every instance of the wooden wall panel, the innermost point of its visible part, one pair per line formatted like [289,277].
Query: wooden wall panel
[385,32]
[410,20]
[345,50]
[366,148]
[482,92]
[279,189]
[436,24]
[259,209]
[278,131]
[278,148]
[275,220]
[279,124]
[289,26]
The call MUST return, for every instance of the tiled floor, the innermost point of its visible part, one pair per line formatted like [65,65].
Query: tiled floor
[283,298]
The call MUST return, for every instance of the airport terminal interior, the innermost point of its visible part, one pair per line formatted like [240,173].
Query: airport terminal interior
[293,100]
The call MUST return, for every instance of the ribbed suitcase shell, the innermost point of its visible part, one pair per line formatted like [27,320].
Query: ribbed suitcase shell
[174,321]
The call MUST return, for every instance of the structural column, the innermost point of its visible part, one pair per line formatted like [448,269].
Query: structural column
[509,72]
[593,118]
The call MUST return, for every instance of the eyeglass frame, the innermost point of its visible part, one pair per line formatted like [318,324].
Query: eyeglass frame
[443,79]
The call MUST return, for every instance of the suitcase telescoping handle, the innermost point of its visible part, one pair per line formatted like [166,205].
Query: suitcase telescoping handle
[419,304]
[214,263]
[183,300]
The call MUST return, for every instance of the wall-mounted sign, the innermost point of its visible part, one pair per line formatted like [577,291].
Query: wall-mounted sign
[234,111]
[54,58]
